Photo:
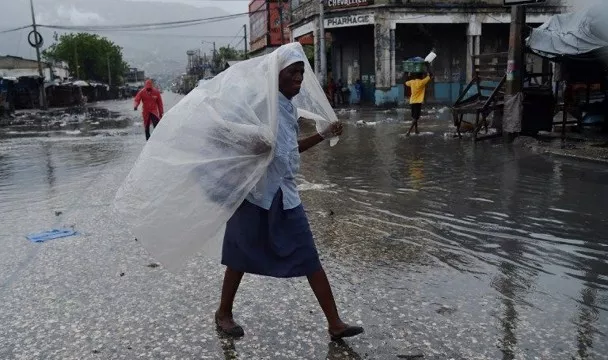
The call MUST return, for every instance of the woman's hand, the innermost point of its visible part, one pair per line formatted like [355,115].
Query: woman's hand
[261,146]
[256,147]
[333,130]
[252,139]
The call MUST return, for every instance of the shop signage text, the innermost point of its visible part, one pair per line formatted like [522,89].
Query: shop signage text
[349,20]
[332,4]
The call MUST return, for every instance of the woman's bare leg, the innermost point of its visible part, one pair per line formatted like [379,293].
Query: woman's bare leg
[320,286]
[223,316]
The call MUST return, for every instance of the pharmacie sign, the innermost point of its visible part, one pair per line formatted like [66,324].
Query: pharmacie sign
[333,4]
[349,20]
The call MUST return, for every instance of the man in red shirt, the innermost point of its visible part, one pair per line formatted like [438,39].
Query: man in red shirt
[153,109]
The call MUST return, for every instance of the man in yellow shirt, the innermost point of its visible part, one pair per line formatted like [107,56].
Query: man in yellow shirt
[418,84]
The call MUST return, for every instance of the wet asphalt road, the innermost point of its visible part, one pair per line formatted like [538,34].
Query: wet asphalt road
[435,245]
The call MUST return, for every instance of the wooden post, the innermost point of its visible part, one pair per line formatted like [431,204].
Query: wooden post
[322,51]
[245,40]
[515,65]
[512,124]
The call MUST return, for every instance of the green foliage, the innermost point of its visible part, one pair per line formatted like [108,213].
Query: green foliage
[225,54]
[88,56]
[309,50]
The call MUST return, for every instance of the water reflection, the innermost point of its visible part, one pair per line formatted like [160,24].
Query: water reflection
[531,231]
[228,347]
[340,350]
[512,285]
[5,167]
[50,168]
[50,174]
[507,283]
[416,173]
[589,308]
[527,221]
[337,350]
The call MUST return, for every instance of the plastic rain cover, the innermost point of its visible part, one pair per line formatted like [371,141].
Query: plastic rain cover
[572,34]
[208,153]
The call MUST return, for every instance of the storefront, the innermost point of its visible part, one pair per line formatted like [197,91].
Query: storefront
[368,41]
[352,57]
[350,44]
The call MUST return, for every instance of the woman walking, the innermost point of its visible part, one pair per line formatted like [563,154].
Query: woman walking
[269,234]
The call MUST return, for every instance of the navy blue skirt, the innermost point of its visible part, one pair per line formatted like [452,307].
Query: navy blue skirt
[273,242]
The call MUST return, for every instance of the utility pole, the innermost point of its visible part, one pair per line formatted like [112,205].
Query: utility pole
[281,22]
[76,61]
[322,53]
[515,72]
[245,41]
[214,59]
[109,72]
[515,66]
[204,60]
[37,36]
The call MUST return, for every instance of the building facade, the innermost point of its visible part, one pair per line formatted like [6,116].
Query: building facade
[13,66]
[368,40]
[269,26]
[135,77]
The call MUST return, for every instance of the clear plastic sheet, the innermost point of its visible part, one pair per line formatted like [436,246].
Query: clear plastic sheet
[573,34]
[207,154]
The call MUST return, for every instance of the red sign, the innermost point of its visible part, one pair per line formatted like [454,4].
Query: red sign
[276,26]
[258,25]
[307,39]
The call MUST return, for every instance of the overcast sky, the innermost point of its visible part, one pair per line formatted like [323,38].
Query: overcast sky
[140,49]
[233,6]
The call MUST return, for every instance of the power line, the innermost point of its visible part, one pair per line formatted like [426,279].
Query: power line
[142,26]
[169,23]
[15,29]
[236,37]
[239,43]
[148,34]
[150,26]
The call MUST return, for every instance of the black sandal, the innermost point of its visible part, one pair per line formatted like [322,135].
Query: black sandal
[236,331]
[350,331]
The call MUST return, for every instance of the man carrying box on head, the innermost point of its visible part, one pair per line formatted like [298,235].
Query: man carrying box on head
[418,82]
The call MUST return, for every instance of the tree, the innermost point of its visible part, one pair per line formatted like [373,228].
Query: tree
[88,56]
[309,50]
[225,54]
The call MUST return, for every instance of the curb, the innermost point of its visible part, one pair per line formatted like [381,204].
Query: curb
[578,157]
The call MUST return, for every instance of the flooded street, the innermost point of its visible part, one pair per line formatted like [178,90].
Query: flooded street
[437,246]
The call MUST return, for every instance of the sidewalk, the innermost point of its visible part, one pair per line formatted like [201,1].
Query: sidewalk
[62,119]
[588,147]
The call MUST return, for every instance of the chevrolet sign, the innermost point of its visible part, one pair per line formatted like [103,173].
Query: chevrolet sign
[333,4]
